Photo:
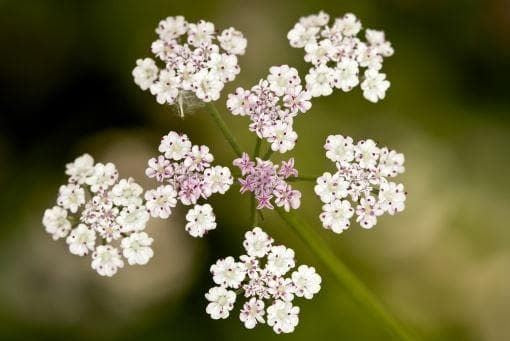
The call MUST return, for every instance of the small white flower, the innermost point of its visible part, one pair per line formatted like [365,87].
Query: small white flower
[349,25]
[145,73]
[198,158]
[103,177]
[306,281]
[318,53]
[172,28]
[106,260]
[391,163]
[282,316]
[232,41]
[346,74]
[228,273]
[392,197]
[300,35]
[160,201]
[81,240]
[126,193]
[219,178]
[166,88]
[330,187]
[257,243]
[281,78]
[336,215]
[80,169]
[252,313]
[56,223]
[319,81]
[240,102]
[224,66]
[175,146]
[375,85]
[339,148]
[207,85]
[201,33]
[201,220]
[71,197]
[137,248]
[280,260]
[133,218]
[297,100]
[222,302]
[281,288]
[367,211]
[377,38]
[281,136]
[367,153]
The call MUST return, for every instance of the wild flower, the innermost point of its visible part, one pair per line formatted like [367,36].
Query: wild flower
[187,176]
[267,181]
[272,105]
[361,175]
[196,60]
[337,55]
[263,277]
[99,214]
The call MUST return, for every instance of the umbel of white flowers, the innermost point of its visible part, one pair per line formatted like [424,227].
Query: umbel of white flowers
[260,277]
[196,61]
[361,176]
[101,215]
[187,175]
[337,55]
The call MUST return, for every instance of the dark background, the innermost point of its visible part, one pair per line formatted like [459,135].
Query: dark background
[441,266]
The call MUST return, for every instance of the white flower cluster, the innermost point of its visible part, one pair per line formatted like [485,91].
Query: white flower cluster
[272,105]
[194,62]
[187,170]
[260,276]
[95,210]
[362,172]
[337,55]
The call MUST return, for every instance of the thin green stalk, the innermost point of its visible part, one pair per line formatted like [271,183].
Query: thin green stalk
[303,178]
[343,275]
[258,143]
[268,154]
[224,129]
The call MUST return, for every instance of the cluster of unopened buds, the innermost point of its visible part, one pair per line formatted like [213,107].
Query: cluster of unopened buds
[267,181]
[362,172]
[196,61]
[337,54]
[272,105]
[101,215]
[260,275]
[186,169]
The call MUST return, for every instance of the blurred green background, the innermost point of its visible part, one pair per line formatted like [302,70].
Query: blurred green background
[442,266]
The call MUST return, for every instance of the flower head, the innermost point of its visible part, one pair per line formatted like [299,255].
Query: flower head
[98,213]
[272,105]
[194,58]
[188,176]
[267,181]
[259,277]
[361,176]
[337,54]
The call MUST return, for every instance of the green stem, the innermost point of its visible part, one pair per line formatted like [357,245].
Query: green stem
[224,129]
[342,274]
[268,154]
[258,143]
[303,178]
